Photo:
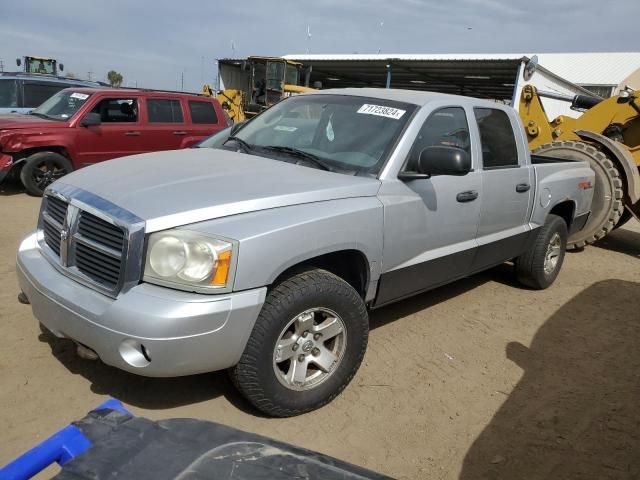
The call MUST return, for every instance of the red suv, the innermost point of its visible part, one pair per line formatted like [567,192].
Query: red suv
[81,126]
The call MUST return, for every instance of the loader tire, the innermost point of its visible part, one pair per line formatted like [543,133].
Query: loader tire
[607,206]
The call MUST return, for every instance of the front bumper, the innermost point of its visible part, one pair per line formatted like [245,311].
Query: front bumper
[149,330]
[6,162]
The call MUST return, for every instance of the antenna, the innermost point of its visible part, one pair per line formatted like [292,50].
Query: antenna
[308,37]
[381,36]
[233,49]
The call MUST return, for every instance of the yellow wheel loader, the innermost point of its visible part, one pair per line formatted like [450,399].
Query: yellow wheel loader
[250,86]
[607,134]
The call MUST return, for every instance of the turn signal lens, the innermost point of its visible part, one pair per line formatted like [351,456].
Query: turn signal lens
[222,269]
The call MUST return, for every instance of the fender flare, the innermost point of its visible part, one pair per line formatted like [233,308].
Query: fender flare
[622,157]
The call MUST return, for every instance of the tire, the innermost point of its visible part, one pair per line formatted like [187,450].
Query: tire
[607,206]
[41,169]
[624,218]
[539,266]
[315,301]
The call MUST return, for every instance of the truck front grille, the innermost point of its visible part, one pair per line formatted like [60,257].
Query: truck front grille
[99,248]
[55,214]
[90,247]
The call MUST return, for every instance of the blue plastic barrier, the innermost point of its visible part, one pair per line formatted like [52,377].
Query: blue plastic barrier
[60,447]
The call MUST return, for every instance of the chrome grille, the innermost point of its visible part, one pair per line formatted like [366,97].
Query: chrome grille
[55,213]
[91,240]
[99,249]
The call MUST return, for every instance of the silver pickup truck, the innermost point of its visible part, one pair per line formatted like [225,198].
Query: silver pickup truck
[262,251]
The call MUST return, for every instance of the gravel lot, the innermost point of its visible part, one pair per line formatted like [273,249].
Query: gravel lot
[479,379]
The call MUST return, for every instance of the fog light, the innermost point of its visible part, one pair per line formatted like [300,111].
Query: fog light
[134,353]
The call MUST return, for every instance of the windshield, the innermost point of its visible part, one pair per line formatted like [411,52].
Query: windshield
[349,133]
[62,106]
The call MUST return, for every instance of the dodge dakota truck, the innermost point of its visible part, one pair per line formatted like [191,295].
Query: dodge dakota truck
[264,252]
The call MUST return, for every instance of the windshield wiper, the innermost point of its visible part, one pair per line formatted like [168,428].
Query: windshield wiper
[300,154]
[246,147]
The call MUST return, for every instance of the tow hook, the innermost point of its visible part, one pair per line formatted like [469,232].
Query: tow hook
[85,352]
[22,298]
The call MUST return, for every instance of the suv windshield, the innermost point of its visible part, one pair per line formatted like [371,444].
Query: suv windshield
[62,106]
[338,132]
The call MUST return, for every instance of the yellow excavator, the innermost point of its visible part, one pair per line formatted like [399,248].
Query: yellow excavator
[250,86]
[42,65]
[607,134]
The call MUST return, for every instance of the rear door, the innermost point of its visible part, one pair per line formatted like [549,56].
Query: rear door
[507,185]
[204,121]
[118,134]
[165,127]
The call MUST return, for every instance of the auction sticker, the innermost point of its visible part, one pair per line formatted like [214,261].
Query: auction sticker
[381,111]
[79,96]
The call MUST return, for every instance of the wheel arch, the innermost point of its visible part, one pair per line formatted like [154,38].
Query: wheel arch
[621,158]
[22,155]
[351,265]
[566,210]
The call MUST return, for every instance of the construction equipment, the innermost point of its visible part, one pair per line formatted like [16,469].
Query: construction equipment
[607,134]
[250,86]
[40,65]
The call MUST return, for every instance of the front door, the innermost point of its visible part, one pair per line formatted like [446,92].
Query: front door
[118,134]
[507,184]
[430,224]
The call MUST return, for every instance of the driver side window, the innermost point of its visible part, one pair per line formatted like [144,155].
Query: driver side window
[445,127]
[117,110]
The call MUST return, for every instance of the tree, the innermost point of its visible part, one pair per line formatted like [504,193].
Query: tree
[114,78]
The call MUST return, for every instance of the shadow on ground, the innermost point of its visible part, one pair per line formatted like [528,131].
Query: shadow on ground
[10,186]
[622,240]
[575,413]
[145,392]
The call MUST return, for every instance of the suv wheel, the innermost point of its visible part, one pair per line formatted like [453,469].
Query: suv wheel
[42,169]
[306,345]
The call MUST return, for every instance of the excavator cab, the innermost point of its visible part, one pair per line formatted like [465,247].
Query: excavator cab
[271,79]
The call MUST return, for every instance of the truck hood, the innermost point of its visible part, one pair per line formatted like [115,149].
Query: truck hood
[12,121]
[173,188]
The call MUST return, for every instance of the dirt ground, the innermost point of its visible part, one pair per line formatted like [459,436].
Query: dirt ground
[479,379]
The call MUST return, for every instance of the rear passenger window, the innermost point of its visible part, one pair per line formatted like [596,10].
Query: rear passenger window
[164,111]
[445,127]
[497,138]
[202,112]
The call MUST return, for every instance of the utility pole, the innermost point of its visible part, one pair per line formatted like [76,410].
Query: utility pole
[182,81]
[1,65]
[89,75]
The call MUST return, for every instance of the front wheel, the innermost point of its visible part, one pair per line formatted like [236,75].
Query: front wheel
[306,345]
[41,169]
[539,266]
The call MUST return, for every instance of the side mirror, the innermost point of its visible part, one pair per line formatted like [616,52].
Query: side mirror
[91,119]
[61,66]
[441,160]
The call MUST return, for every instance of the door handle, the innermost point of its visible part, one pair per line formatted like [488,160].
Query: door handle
[522,187]
[132,134]
[468,196]
[180,132]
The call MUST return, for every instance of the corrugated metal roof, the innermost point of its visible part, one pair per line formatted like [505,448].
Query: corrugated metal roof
[590,68]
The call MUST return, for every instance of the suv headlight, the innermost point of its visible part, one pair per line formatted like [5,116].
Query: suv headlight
[190,261]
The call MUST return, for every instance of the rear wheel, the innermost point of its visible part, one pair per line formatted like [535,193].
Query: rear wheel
[41,169]
[607,206]
[540,265]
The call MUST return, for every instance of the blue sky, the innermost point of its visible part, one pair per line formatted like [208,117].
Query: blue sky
[153,43]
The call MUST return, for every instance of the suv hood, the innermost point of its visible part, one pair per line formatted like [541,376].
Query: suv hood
[12,121]
[169,189]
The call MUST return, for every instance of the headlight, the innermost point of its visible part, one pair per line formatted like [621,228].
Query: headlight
[190,261]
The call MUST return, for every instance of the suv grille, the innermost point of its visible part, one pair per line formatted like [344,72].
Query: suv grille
[85,243]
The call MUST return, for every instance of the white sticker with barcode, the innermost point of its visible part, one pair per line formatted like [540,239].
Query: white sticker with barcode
[79,96]
[382,111]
